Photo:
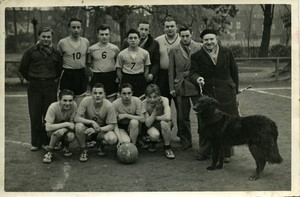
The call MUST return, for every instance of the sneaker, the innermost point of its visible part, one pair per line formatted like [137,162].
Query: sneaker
[152,147]
[47,157]
[101,150]
[84,156]
[142,144]
[34,148]
[67,152]
[169,154]
[186,146]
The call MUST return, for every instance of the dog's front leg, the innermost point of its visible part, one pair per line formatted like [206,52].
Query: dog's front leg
[215,155]
[221,158]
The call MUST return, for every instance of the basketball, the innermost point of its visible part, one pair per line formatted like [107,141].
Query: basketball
[127,153]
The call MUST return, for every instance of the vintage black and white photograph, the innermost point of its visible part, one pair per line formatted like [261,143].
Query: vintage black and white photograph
[151,97]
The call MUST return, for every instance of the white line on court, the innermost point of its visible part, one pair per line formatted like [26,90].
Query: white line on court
[278,88]
[17,142]
[15,95]
[269,93]
[62,182]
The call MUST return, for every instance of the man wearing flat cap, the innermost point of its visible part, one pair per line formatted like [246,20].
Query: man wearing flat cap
[214,68]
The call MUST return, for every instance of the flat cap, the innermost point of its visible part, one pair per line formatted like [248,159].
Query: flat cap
[208,31]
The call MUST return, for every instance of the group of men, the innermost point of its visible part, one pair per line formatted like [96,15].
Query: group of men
[147,73]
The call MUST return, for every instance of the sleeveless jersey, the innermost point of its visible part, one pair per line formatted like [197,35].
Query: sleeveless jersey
[105,116]
[134,108]
[73,57]
[56,115]
[133,65]
[103,58]
[164,49]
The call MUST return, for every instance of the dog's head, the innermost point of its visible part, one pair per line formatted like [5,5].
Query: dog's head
[206,105]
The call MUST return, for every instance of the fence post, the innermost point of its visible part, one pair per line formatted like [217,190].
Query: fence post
[277,69]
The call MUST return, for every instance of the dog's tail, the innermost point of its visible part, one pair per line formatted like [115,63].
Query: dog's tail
[274,156]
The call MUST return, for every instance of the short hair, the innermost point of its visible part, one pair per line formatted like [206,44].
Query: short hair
[98,85]
[125,85]
[103,27]
[169,19]
[152,88]
[143,22]
[185,29]
[65,92]
[45,29]
[74,19]
[133,31]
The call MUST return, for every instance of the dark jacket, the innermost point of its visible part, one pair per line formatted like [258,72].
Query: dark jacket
[221,80]
[152,47]
[36,64]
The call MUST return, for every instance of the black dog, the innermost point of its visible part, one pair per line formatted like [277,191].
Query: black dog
[259,132]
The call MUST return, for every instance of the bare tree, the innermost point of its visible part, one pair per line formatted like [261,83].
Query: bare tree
[268,10]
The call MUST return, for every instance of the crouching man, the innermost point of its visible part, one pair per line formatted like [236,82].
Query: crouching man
[128,110]
[157,112]
[95,121]
[59,123]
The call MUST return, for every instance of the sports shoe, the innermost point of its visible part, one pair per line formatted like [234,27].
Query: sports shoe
[152,147]
[101,150]
[47,157]
[169,154]
[227,159]
[91,144]
[34,148]
[67,152]
[84,156]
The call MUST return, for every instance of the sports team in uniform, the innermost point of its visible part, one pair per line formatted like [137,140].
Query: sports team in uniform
[127,99]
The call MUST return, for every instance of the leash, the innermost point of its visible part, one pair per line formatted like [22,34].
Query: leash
[244,89]
[200,90]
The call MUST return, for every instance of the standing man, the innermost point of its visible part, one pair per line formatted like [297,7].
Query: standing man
[74,51]
[181,87]
[102,57]
[214,68]
[60,123]
[157,112]
[148,43]
[166,42]
[95,120]
[41,66]
[129,115]
[133,64]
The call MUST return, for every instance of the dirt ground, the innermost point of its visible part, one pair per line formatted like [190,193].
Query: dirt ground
[25,172]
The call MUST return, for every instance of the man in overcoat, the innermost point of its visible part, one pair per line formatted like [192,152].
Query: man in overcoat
[180,85]
[214,68]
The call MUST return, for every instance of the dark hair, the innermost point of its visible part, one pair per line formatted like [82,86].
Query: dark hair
[103,27]
[125,85]
[152,88]
[169,19]
[74,19]
[45,29]
[143,22]
[98,85]
[185,29]
[133,31]
[65,92]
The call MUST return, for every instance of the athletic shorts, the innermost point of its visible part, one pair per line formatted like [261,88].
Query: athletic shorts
[125,127]
[75,80]
[138,82]
[108,80]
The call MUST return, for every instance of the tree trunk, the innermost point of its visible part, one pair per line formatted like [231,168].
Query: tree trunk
[265,42]
[123,30]
[15,40]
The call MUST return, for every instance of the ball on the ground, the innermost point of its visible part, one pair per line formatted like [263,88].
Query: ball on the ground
[127,153]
